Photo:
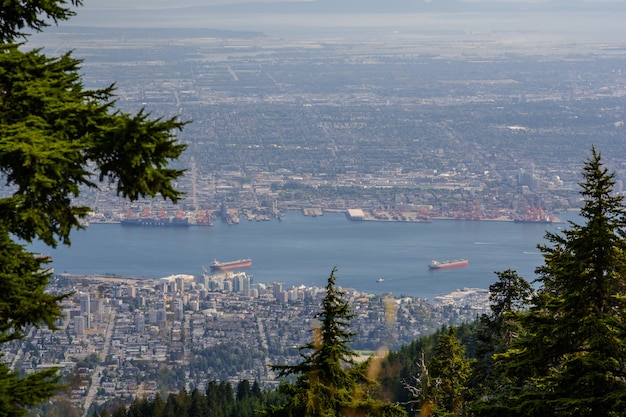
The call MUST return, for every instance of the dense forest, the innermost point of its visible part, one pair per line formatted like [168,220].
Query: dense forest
[553,347]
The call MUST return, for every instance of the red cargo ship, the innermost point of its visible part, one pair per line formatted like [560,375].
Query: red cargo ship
[448,264]
[224,266]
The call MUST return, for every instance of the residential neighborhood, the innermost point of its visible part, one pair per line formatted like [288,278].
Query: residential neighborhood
[124,337]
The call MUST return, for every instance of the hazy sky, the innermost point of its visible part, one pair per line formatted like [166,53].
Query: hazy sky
[155,13]
[152,4]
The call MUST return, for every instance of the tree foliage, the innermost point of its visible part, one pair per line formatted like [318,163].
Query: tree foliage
[450,369]
[570,360]
[56,139]
[559,350]
[219,400]
[328,382]
[17,15]
[440,385]
[496,331]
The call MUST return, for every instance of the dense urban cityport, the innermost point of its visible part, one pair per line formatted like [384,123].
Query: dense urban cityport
[476,126]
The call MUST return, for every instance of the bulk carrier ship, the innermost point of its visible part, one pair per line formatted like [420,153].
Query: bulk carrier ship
[146,219]
[225,266]
[156,222]
[448,264]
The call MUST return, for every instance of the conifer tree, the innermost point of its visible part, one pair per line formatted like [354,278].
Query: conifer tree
[496,331]
[420,390]
[571,359]
[243,390]
[56,139]
[20,14]
[198,406]
[328,382]
[255,390]
[450,369]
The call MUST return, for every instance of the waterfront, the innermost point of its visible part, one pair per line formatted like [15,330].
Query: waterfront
[302,250]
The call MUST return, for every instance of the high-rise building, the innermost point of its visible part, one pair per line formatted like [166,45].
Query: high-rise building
[140,322]
[177,308]
[152,316]
[241,284]
[97,307]
[278,290]
[85,304]
[79,325]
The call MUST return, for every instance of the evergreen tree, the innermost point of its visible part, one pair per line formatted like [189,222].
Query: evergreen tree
[255,390]
[158,406]
[421,390]
[119,412]
[198,407]
[57,138]
[226,396]
[571,359]
[243,390]
[496,331]
[19,14]
[450,369]
[401,368]
[328,382]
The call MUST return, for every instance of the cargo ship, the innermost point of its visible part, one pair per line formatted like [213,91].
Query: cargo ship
[225,266]
[546,220]
[156,222]
[448,264]
[146,219]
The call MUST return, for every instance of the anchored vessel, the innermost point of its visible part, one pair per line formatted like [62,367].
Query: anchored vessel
[224,266]
[448,264]
[545,220]
[156,222]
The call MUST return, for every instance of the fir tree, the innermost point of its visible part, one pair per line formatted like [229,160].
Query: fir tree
[421,390]
[255,390]
[328,382]
[19,14]
[56,139]
[198,406]
[572,356]
[243,390]
[450,369]
[496,331]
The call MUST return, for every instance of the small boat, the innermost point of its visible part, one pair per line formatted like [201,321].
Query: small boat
[380,280]
[447,264]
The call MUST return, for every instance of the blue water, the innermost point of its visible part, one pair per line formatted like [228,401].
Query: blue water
[303,250]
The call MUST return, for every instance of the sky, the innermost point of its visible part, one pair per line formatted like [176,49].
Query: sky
[152,4]
[146,4]
[271,21]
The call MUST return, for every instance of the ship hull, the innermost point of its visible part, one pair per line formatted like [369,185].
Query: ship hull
[225,266]
[538,221]
[448,264]
[152,222]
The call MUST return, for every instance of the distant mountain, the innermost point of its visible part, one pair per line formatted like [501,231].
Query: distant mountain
[243,14]
[414,6]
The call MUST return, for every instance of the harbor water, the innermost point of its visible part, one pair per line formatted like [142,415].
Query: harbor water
[302,250]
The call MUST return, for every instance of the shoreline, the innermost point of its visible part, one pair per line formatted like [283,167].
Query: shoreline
[383,217]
